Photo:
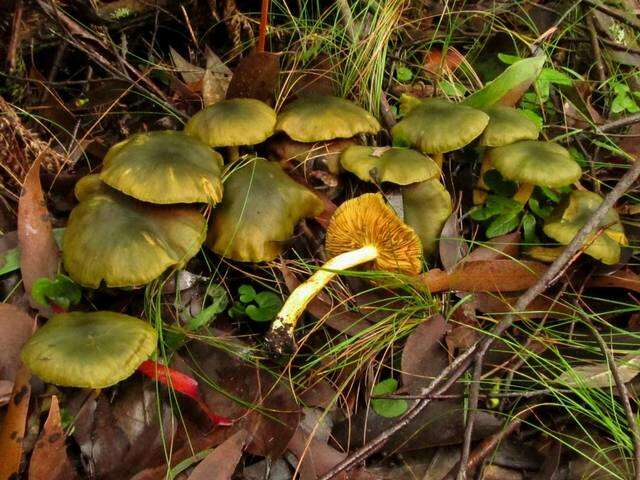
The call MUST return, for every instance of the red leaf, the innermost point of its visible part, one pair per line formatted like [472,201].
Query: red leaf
[39,253]
[180,383]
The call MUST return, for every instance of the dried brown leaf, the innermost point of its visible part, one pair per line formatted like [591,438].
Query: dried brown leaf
[14,424]
[256,76]
[422,357]
[38,250]
[222,461]
[15,329]
[621,279]
[49,460]
[501,247]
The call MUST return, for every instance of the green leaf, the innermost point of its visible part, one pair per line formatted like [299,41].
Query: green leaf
[496,182]
[388,408]
[238,310]
[533,115]
[269,304]
[483,213]
[504,223]
[61,291]
[538,210]
[529,228]
[403,74]
[247,293]
[550,194]
[508,59]
[219,302]
[10,261]
[452,89]
[555,77]
[518,76]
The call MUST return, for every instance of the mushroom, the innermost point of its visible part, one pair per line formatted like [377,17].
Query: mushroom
[321,126]
[531,163]
[506,125]
[113,238]
[436,126]
[401,166]
[259,211]
[572,214]
[233,123]
[164,167]
[427,206]
[363,230]
[89,350]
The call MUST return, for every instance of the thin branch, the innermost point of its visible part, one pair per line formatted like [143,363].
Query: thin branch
[457,368]
[264,20]
[617,14]
[595,45]
[15,36]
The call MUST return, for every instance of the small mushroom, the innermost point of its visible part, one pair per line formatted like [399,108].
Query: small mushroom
[113,238]
[427,206]
[318,118]
[363,230]
[164,167]
[89,350]
[259,212]
[506,125]
[531,163]
[572,214]
[401,166]
[233,123]
[437,126]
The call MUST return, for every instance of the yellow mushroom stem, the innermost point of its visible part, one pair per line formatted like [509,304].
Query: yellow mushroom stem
[233,154]
[438,158]
[480,192]
[524,192]
[281,334]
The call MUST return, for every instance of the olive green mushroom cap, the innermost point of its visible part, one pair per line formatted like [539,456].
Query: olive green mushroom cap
[507,125]
[233,123]
[573,213]
[164,167]
[439,126]
[259,212]
[317,118]
[117,240]
[89,350]
[545,164]
[401,166]
[427,206]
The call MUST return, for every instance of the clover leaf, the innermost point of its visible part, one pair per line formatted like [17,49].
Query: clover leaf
[388,407]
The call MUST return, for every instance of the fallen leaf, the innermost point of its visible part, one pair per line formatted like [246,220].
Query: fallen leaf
[422,356]
[49,460]
[508,87]
[15,329]
[222,461]
[315,458]
[485,276]
[190,73]
[39,253]
[14,424]
[621,279]
[540,307]
[599,375]
[214,88]
[502,247]
[256,76]
[437,64]
[452,246]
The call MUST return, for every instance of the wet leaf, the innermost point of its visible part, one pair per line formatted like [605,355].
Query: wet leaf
[222,461]
[509,86]
[39,253]
[485,276]
[256,76]
[49,460]
[14,425]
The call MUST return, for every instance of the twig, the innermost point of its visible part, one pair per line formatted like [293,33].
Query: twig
[595,45]
[621,122]
[624,395]
[15,36]
[612,12]
[489,444]
[264,20]
[457,368]
[452,396]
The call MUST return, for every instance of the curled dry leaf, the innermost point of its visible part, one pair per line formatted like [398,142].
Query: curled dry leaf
[14,424]
[49,460]
[39,253]
[222,461]
[485,276]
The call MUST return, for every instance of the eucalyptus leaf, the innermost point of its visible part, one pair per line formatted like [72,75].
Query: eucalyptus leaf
[599,375]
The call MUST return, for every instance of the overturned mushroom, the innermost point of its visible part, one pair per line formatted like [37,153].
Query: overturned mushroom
[533,163]
[436,126]
[363,230]
[164,167]
[233,123]
[401,166]
[259,212]
[89,350]
[572,214]
[117,240]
